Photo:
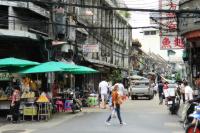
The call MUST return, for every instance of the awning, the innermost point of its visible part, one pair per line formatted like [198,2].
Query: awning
[100,63]
[193,35]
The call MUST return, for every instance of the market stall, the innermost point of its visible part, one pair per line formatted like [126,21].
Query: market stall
[34,104]
[9,80]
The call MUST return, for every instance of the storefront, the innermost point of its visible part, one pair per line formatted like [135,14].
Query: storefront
[27,46]
[190,31]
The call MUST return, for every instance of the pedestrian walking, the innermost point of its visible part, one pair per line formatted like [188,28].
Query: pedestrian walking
[104,90]
[121,90]
[166,91]
[155,88]
[116,102]
[160,92]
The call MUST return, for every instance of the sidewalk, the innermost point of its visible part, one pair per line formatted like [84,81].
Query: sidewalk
[58,118]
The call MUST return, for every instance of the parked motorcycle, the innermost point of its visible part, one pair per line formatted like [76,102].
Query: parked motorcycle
[76,104]
[194,127]
[189,109]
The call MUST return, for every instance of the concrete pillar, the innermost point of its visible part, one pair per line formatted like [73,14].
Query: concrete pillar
[11,19]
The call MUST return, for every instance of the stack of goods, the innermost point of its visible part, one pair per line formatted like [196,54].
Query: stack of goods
[3,95]
[43,98]
[26,84]
[28,95]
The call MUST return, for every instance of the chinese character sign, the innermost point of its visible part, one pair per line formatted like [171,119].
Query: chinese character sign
[171,42]
[168,33]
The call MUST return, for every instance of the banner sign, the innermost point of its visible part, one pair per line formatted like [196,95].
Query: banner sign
[171,42]
[169,38]
[5,76]
[90,48]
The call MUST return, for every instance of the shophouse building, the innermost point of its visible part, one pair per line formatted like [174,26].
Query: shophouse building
[190,31]
[106,47]
[52,30]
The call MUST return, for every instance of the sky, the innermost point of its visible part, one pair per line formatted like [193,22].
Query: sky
[139,19]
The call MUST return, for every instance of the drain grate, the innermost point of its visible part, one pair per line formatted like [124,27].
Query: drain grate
[14,131]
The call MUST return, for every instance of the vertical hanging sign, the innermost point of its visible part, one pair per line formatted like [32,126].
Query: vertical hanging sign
[169,37]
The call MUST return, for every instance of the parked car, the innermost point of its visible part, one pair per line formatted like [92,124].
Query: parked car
[141,88]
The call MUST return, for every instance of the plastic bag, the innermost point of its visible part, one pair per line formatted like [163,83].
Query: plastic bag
[113,113]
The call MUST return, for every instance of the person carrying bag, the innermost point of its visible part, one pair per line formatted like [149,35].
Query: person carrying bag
[116,102]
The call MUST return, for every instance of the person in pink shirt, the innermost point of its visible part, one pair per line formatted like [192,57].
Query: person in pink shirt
[15,104]
[165,91]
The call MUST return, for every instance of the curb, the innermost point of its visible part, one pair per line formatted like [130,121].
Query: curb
[32,125]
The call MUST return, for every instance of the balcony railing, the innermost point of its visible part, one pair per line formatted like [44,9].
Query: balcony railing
[17,23]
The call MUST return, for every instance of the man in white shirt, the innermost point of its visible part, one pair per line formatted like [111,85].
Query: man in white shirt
[103,87]
[188,92]
[121,89]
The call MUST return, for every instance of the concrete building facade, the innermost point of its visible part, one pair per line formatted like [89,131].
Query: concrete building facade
[52,30]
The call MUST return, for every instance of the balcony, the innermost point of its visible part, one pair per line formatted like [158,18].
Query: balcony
[27,5]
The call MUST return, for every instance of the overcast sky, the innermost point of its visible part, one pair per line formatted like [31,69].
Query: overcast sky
[139,19]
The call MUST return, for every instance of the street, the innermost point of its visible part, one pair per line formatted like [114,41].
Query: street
[141,116]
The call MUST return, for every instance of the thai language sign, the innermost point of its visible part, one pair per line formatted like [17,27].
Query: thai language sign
[90,48]
[5,76]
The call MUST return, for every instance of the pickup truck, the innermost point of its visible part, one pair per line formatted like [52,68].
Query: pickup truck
[141,88]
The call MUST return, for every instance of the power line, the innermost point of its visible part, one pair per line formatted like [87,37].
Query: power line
[112,8]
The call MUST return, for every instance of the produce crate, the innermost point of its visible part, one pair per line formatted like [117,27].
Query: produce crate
[92,101]
[30,111]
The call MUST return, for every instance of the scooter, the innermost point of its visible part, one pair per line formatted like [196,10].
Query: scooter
[194,127]
[190,107]
[76,104]
[173,103]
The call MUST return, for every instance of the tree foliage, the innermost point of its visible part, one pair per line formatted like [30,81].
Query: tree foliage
[125,14]
[136,42]
[115,76]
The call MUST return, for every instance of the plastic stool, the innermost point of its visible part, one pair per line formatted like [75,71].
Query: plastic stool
[59,106]
[67,105]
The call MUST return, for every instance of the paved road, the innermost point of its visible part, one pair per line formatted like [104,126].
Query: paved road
[141,116]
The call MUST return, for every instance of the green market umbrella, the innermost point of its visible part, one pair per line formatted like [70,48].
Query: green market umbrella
[82,70]
[11,61]
[51,66]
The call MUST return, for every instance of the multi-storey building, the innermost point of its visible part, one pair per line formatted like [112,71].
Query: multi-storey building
[53,30]
[190,31]
[22,26]
[112,36]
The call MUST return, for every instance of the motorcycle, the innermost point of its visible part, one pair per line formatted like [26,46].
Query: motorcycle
[173,103]
[194,127]
[189,109]
[75,103]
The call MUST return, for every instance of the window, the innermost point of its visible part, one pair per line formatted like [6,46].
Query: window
[153,32]
[146,33]
[150,32]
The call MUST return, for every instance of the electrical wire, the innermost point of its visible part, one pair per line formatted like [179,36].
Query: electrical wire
[111,8]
